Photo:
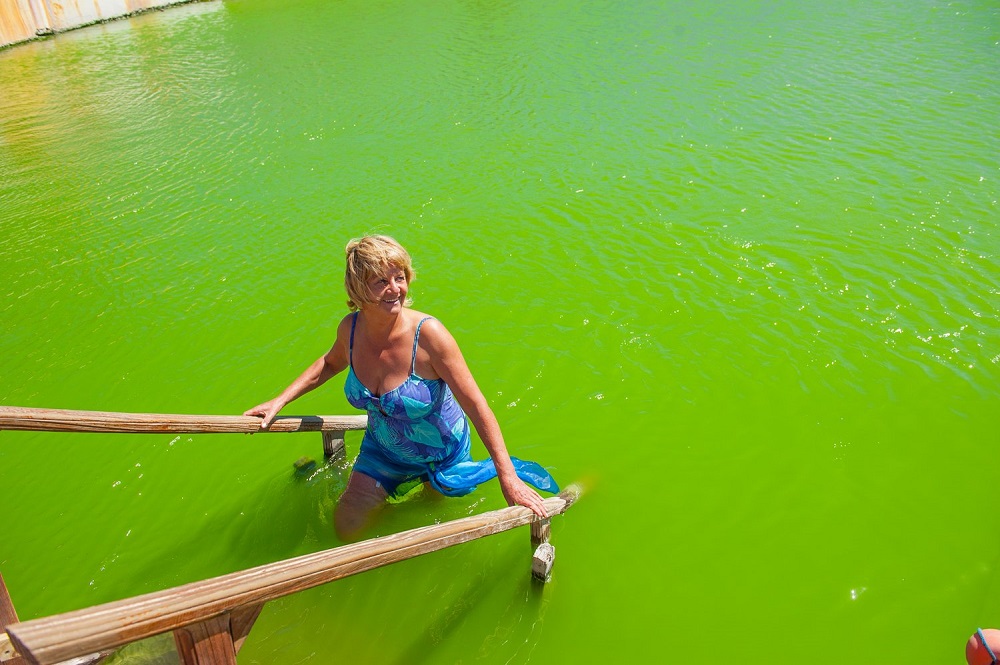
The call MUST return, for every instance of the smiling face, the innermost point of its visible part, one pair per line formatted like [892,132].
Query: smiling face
[388,291]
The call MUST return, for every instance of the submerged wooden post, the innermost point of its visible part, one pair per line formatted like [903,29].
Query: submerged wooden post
[333,446]
[545,554]
[542,561]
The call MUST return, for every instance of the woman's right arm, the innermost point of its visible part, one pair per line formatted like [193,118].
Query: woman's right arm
[324,368]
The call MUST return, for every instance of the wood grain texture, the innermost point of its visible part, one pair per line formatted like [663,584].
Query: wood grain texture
[8,655]
[66,420]
[541,532]
[52,639]
[7,613]
[542,561]
[333,446]
[207,642]
[241,621]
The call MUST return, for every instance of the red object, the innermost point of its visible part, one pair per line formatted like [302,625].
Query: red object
[976,652]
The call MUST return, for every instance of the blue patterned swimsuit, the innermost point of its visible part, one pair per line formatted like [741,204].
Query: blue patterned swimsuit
[418,432]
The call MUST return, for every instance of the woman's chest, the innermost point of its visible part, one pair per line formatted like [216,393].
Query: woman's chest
[381,370]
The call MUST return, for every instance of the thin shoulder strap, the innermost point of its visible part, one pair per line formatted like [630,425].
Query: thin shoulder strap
[350,349]
[416,338]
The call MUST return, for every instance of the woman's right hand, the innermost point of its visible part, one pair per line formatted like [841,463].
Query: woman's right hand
[268,411]
[330,364]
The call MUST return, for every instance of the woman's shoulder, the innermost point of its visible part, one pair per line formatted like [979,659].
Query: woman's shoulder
[346,321]
[433,333]
[344,327]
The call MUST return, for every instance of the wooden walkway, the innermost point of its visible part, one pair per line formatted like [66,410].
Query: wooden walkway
[210,619]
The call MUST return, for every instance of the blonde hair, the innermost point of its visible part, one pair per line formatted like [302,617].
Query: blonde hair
[368,257]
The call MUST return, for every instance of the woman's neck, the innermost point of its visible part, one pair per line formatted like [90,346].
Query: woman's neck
[379,326]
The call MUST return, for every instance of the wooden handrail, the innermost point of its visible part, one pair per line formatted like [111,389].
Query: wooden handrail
[66,420]
[211,619]
[237,595]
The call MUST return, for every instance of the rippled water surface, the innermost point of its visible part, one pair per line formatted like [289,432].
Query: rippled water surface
[733,264]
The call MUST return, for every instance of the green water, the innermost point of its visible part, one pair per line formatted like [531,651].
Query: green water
[734,264]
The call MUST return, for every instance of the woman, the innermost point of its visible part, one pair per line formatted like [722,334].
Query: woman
[406,370]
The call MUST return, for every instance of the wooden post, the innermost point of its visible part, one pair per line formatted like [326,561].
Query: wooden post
[545,553]
[7,613]
[8,655]
[541,562]
[333,446]
[241,622]
[541,531]
[206,643]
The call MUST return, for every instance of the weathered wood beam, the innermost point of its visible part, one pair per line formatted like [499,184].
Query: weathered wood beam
[49,640]
[9,655]
[67,420]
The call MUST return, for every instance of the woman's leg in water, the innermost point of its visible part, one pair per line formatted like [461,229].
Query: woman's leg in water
[357,506]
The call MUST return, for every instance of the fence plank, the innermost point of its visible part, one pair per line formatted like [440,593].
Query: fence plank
[67,420]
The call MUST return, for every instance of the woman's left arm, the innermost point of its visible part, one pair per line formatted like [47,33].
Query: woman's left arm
[448,362]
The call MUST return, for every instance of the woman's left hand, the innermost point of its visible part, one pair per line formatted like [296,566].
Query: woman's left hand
[518,493]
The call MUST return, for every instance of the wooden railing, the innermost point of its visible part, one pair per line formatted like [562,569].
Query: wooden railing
[65,420]
[211,619]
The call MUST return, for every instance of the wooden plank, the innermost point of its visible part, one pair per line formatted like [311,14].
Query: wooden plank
[67,420]
[52,639]
[9,655]
[207,642]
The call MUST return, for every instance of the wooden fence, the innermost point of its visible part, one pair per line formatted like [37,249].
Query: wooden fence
[211,619]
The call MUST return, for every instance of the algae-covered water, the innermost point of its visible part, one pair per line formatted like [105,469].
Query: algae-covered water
[734,264]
